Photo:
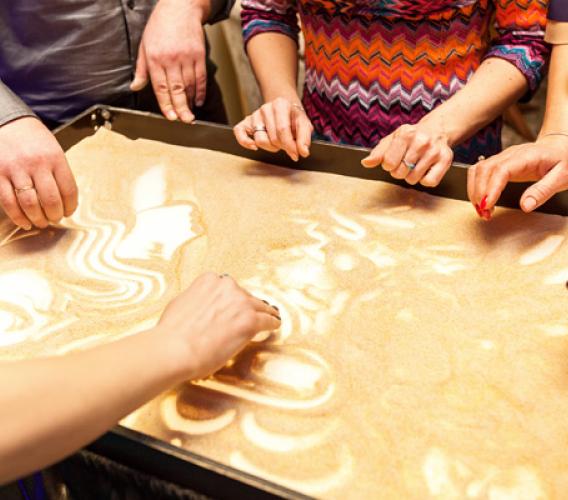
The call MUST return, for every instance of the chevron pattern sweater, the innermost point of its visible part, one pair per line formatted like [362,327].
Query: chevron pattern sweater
[372,66]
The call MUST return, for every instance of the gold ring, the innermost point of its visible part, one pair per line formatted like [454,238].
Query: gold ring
[25,188]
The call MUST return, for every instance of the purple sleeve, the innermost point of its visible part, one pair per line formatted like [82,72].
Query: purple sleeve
[263,16]
[520,38]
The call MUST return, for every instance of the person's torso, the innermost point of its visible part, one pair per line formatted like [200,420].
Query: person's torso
[62,56]
[373,66]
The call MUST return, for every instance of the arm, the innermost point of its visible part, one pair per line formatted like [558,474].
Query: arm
[270,31]
[53,406]
[545,161]
[513,66]
[172,55]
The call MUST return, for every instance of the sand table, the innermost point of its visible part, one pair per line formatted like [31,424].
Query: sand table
[423,352]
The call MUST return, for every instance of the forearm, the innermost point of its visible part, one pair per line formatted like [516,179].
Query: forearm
[556,116]
[493,88]
[273,54]
[53,406]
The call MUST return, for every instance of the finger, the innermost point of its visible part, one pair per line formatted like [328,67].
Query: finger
[266,117]
[283,113]
[188,72]
[423,166]
[471,171]
[553,182]
[495,186]
[415,151]
[28,200]
[10,204]
[266,322]
[303,131]
[48,194]
[67,187]
[482,176]
[243,132]
[435,175]
[265,307]
[395,152]
[376,156]
[200,81]
[177,87]
[162,91]
[141,73]
[260,137]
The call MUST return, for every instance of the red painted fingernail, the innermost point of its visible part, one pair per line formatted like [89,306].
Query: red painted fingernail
[478,210]
[486,214]
[483,203]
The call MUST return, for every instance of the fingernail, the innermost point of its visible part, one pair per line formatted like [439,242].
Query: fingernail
[187,117]
[478,210]
[27,228]
[279,318]
[529,203]
[365,162]
[486,214]
[295,157]
[199,103]
[171,115]
[265,301]
[483,203]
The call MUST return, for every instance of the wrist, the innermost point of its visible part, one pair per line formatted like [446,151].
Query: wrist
[288,92]
[199,9]
[439,128]
[172,354]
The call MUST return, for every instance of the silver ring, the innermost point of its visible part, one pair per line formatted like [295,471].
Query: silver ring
[25,188]
[410,166]
[260,128]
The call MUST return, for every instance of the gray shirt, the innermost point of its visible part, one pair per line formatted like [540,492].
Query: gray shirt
[59,57]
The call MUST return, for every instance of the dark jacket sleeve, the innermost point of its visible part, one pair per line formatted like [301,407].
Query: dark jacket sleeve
[11,106]
[220,10]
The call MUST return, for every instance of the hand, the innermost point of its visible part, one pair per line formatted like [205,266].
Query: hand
[279,124]
[212,321]
[545,161]
[414,153]
[172,55]
[36,183]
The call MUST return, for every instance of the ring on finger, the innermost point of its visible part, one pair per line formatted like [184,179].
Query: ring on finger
[258,128]
[298,106]
[23,189]
[409,165]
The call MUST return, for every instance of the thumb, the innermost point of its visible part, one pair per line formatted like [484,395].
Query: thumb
[141,74]
[375,157]
[553,182]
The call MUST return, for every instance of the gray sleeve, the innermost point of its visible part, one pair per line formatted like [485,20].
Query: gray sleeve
[220,10]
[11,106]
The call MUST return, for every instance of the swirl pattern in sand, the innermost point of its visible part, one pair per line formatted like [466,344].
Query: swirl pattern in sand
[422,352]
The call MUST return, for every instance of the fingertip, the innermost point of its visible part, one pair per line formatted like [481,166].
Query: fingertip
[368,162]
[528,204]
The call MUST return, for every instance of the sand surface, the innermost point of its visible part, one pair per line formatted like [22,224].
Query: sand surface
[423,352]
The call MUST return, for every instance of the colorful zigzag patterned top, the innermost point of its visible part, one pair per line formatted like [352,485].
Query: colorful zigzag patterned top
[373,65]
